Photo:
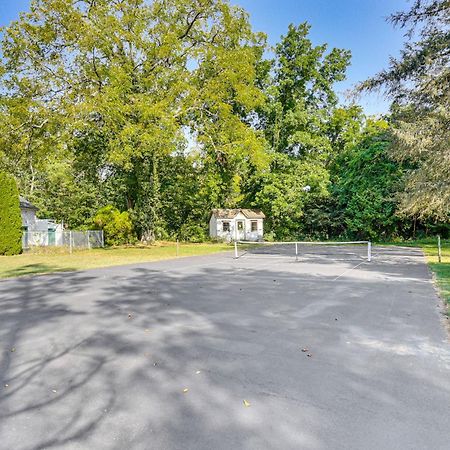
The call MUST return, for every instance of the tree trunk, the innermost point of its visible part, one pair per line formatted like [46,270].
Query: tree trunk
[148,200]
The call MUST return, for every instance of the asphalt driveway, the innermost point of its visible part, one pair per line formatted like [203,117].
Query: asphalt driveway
[207,353]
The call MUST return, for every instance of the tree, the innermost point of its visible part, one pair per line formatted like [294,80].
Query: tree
[419,84]
[142,75]
[10,217]
[300,94]
[366,181]
[285,191]
[117,226]
[305,129]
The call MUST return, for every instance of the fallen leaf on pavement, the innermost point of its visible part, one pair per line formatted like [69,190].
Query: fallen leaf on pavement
[246,403]
[185,390]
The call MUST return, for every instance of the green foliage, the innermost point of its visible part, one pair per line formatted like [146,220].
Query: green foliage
[66,196]
[167,108]
[419,84]
[10,217]
[284,191]
[365,189]
[129,79]
[116,225]
[193,232]
[301,98]
[306,130]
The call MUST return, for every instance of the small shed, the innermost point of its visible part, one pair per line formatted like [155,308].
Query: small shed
[237,224]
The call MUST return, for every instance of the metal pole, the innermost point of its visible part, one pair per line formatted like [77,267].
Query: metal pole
[369,251]
[70,241]
[178,250]
[296,251]
[102,238]
[439,249]
[88,241]
[235,250]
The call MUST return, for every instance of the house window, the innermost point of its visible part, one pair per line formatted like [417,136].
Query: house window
[240,226]
[226,226]
[254,224]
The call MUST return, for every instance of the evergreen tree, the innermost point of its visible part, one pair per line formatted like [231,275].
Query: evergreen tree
[10,218]
[419,84]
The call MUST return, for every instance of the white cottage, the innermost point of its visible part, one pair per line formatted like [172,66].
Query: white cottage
[237,224]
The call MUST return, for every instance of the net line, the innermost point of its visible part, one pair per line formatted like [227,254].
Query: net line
[303,249]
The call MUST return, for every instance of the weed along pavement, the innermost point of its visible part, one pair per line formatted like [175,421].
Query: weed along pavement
[213,352]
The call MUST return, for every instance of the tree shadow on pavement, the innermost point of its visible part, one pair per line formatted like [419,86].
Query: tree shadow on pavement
[103,359]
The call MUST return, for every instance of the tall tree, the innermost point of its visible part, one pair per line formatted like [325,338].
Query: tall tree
[304,127]
[419,84]
[139,74]
[366,181]
[301,94]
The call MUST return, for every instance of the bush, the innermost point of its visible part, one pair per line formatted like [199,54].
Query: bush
[192,232]
[116,226]
[10,217]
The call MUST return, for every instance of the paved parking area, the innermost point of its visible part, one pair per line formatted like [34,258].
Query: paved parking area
[206,353]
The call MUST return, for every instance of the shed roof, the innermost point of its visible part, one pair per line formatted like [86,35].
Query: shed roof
[26,204]
[232,213]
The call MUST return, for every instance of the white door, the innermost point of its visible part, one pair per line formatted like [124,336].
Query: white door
[240,230]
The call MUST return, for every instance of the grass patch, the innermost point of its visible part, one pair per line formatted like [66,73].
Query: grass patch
[47,259]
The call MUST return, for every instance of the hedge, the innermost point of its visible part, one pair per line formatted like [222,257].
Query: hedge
[10,217]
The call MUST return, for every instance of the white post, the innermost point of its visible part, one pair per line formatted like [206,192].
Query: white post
[369,251]
[235,250]
[88,241]
[102,238]
[70,241]
[439,249]
[296,251]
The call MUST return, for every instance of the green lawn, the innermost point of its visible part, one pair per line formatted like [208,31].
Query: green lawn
[46,260]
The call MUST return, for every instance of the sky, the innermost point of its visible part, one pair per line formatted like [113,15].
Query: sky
[357,25]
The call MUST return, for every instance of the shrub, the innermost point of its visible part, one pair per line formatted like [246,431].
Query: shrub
[192,232]
[116,225]
[10,217]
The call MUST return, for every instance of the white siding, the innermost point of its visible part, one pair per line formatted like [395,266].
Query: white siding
[225,235]
[28,217]
[213,227]
[216,229]
[254,235]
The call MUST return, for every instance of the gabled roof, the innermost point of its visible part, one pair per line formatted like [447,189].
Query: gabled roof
[26,204]
[253,213]
[232,213]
